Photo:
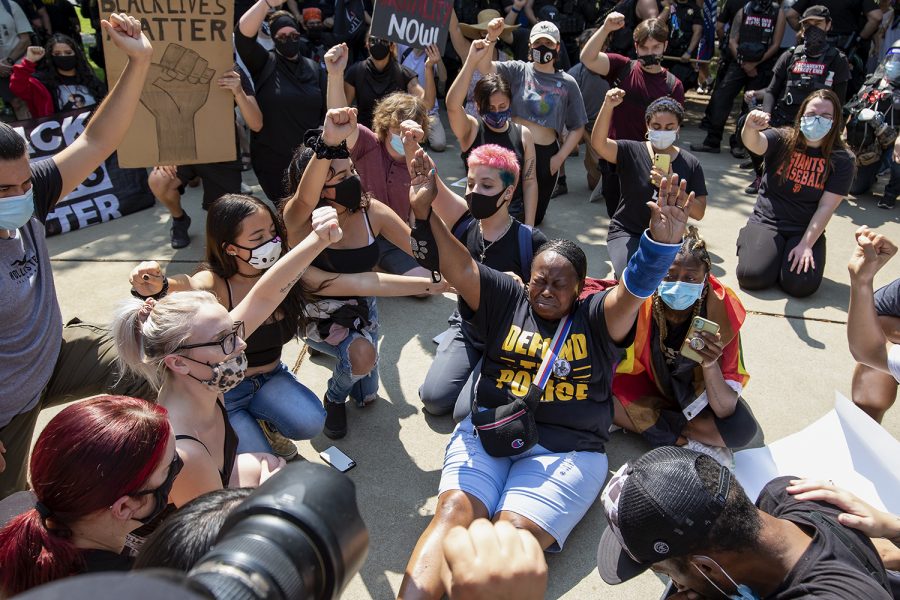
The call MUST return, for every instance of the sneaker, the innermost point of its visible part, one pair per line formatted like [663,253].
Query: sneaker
[723,456]
[739,153]
[281,446]
[335,419]
[753,188]
[560,190]
[704,147]
[364,402]
[179,232]
[747,164]
[887,202]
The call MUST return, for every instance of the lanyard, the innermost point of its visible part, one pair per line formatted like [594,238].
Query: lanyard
[559,338]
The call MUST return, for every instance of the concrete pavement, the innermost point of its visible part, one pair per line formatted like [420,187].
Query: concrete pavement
[795,350]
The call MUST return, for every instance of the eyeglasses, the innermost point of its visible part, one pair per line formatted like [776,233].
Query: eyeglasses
[227,343]
[174,469]
[294,36]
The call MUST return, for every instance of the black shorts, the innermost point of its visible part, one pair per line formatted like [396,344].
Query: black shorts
[218,179]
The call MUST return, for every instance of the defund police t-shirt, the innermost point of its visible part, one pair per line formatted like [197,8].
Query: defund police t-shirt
[575,411]
[832,566]
[790,190]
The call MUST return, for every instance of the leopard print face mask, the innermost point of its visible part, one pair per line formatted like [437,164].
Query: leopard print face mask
[226,375]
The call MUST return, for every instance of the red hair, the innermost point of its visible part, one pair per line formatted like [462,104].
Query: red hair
[496,157]
[89,455]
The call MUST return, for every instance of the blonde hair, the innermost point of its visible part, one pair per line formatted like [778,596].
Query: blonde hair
[144,340]
[395,108]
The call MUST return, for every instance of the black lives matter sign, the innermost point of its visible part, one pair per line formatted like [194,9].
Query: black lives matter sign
[417,23]
[109,193]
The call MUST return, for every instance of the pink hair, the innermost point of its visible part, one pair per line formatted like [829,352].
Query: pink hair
[496,157]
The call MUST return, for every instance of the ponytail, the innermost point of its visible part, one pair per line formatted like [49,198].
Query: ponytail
[35,551]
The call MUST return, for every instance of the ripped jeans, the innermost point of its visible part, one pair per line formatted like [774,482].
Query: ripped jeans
[343,383]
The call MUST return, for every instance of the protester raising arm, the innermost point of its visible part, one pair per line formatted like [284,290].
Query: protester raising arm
[113,117]
[339,94]
[751,133]
[592,54]
[434,63]
[249,107]
[864,333]
[605,147]
[464,125]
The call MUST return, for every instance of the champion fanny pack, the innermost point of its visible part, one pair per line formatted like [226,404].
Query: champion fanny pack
[510,429]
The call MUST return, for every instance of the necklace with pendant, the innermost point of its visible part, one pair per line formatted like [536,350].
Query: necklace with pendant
[484,247]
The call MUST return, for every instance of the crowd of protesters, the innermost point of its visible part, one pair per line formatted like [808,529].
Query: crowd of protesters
[540,362]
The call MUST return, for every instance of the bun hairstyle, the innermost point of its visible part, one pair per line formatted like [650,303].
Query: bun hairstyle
[89,455]
[146,332]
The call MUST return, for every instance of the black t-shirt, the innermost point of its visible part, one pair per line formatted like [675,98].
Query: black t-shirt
[828,569]
[887,299]
[633,165]
[847,16]
[728,12]
[504,254]
[292,100]
[833,65]
[575,412]
[97,561]
[372,85]
[681,26]
[787,204]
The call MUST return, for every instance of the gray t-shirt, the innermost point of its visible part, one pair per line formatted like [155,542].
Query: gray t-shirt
[549,99]
[11,25]
[593,90]
[30,320]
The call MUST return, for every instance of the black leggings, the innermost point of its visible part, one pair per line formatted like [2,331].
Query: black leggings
[763,261]
[546,181]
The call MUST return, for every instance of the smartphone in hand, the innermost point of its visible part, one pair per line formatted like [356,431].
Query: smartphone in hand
[698,324]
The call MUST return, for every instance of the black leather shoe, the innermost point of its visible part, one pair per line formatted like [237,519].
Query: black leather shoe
[705,148]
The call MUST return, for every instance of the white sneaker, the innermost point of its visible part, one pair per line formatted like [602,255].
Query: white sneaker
[723,456]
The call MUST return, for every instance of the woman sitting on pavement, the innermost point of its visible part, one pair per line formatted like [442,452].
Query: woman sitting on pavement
[270,407]
[544,476]
[807,174]
[638,169]
[494,125]
[378,155]
[52,86]
[190,348]
[494,238]
[99,469]
[669,398]
[341,326]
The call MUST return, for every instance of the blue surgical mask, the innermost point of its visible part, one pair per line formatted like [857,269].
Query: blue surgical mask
[679,295]
[892,69]
[397,144]
[743,591]
[815,127]
[16,210]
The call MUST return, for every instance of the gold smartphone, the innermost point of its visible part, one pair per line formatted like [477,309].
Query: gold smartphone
[697,325]
[662,162]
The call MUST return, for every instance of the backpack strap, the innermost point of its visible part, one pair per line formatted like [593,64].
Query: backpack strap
[526,250]
[670,82]
[267,72]
[462,226]
[7,7]
[623,72]
[406,53]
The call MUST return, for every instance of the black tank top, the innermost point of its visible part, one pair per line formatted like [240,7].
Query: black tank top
[350,260]
[510,139]
[264,345]
[229,452]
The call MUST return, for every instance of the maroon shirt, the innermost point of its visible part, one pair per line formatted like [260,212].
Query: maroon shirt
[382,176]
[641,88]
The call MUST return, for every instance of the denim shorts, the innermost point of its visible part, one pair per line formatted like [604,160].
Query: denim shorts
[555,490]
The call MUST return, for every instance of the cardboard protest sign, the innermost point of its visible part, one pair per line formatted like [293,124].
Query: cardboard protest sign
[109,193]
[184,117]
[416,23]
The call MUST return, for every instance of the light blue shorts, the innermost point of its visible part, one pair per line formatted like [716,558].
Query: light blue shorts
[554,490]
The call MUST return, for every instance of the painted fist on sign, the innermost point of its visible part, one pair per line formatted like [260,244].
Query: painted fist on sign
[176,88]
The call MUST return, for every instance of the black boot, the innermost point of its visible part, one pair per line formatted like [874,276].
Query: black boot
[335,419]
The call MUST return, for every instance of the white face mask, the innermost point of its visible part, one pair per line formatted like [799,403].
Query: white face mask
[264,256]
[660,139]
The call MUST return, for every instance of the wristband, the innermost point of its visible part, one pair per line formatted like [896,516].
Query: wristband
[648,266]
[516,10]
[424,246]
[324,151]
[157,295]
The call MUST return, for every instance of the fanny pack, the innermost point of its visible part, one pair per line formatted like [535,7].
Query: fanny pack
[510,429]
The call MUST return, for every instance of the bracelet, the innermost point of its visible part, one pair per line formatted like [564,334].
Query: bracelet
[157,295]
[324,151]
[516,10]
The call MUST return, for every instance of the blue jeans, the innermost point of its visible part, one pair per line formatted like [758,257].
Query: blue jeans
[279,399]
[343,382]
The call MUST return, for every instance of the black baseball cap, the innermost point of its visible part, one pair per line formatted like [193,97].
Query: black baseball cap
[657,508]
[816,12]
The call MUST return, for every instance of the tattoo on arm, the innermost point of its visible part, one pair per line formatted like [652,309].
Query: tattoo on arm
[529,169]
[291,283]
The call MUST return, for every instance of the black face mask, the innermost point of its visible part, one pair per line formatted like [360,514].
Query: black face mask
[815,41]
[483,206]
[543,54]
[348,193]
[649,60]
[314,33]
[65,63]
[379,50]
[287,48]
[161,494]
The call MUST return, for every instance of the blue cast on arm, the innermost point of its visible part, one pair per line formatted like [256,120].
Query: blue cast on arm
[648,266]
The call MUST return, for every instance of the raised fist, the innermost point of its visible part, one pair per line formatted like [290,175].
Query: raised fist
[34,53]
[614,21]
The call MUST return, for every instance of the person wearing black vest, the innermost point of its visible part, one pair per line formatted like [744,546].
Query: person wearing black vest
[801,70]
[494,125]
[635,11]
[754,41]
[685,21]
[284,80]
